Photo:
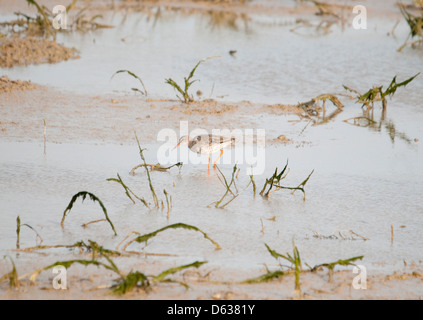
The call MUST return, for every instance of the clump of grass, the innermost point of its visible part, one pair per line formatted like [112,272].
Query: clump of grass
[125,282]
[143,91]
[274,182]
[83,195]
[12,276]
[295,261]
[368,100]
[18,231]
[133,279]
[296,266]
[228,188]
[139,280]
[43,18]
[416,28]
[130,194]
[229,185]
[376,94]
[41,23]
[185,95]
[145,237]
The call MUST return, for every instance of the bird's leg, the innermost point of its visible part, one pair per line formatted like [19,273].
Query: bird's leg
[214,164]
[209,166]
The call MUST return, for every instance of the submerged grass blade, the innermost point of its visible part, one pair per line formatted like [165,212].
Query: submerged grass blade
[92,246]
[146,237]
[69,263]
[162,276]
[94,198]
[269,276]
[340,262]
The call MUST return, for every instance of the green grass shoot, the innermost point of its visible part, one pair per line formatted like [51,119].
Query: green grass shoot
[144,90]
[145,237]
[124,283]
[296,266]
[185,95]
[18,231]
[162,276]
[12,276]
[295,260]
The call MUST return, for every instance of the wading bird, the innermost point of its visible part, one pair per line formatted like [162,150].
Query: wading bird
[207,144]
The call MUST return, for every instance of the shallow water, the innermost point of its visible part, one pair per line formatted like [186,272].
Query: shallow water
[363,181]
[271,65]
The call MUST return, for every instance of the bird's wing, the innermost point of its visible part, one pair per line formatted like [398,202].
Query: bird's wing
[219,139]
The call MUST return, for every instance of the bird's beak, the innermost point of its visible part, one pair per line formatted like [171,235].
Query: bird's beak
[176,146]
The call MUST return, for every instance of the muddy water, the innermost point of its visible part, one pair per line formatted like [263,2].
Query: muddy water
[364,180]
